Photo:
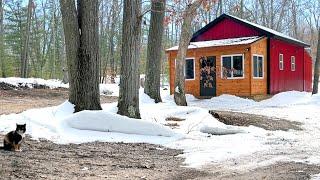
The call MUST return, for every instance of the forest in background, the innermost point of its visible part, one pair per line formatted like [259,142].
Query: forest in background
[32,38]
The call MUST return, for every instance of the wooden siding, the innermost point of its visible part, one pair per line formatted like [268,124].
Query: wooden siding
[240,87]
[259,86]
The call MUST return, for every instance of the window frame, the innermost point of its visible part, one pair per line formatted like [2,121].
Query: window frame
[243,68]
[281,61]
[194,68]
[294,63]
[257,55]
[184,68]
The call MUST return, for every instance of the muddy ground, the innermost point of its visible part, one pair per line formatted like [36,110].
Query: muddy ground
[265,122]
[46,160]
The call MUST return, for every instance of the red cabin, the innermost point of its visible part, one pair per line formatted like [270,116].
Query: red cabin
[288,64]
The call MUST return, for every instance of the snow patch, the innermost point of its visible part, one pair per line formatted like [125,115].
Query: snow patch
[220,42]
[221,131]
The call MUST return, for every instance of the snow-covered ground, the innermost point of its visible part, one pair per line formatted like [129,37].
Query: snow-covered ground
[107,89]
[249,147]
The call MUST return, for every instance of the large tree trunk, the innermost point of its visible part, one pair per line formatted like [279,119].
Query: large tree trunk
[128,103]
[25,53]
[82,48]
[316,68]
[2,63]
[186,34]
[153,65]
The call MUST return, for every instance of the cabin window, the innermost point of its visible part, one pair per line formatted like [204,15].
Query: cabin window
[257,66]
[189,69]
[281,62]
[293,63]
[232,66]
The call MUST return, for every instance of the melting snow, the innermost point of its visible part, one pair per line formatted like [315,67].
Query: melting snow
[249,147]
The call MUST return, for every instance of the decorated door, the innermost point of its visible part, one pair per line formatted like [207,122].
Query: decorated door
[208,76]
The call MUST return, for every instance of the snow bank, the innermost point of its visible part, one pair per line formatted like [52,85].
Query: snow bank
[28,82]
[289,98]
[109,122]
[106,89]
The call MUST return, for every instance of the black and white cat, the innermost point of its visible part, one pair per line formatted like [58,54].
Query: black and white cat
[12,141]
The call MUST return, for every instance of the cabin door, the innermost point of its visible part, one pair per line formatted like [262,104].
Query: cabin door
[208,76]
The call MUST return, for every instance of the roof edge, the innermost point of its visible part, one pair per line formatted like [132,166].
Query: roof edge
[239,20]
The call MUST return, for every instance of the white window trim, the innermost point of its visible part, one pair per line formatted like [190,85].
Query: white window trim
[258,55]
[184,70]
[231,55]
[294,63]
[281,69]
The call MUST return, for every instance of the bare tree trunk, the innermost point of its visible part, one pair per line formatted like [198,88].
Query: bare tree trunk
[256,6]
[25,53]
[283,5]
[271,15]
[220,7]
[82,47]
[153,65]
[294,18]
[111,40]
[241,9]
[2,63]
[128,102]
[316,68]
[101,35]
[263,13]
[186,34]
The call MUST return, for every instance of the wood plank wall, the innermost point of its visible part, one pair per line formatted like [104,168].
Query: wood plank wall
[240,87]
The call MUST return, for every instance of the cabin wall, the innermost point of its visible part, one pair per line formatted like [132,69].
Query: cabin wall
[240,87]
[259,85]
[226,29]
[307,72]
[286,80]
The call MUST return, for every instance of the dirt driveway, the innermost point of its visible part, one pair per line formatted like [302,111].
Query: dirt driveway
[46,160]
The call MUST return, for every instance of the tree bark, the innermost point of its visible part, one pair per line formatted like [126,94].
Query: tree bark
[186,34]
[128,102]
[111,40]
[294,19]
[316,68]
[25,53]
[82,48]
[153,64]
[220,7]
[2,63]
[241,9]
